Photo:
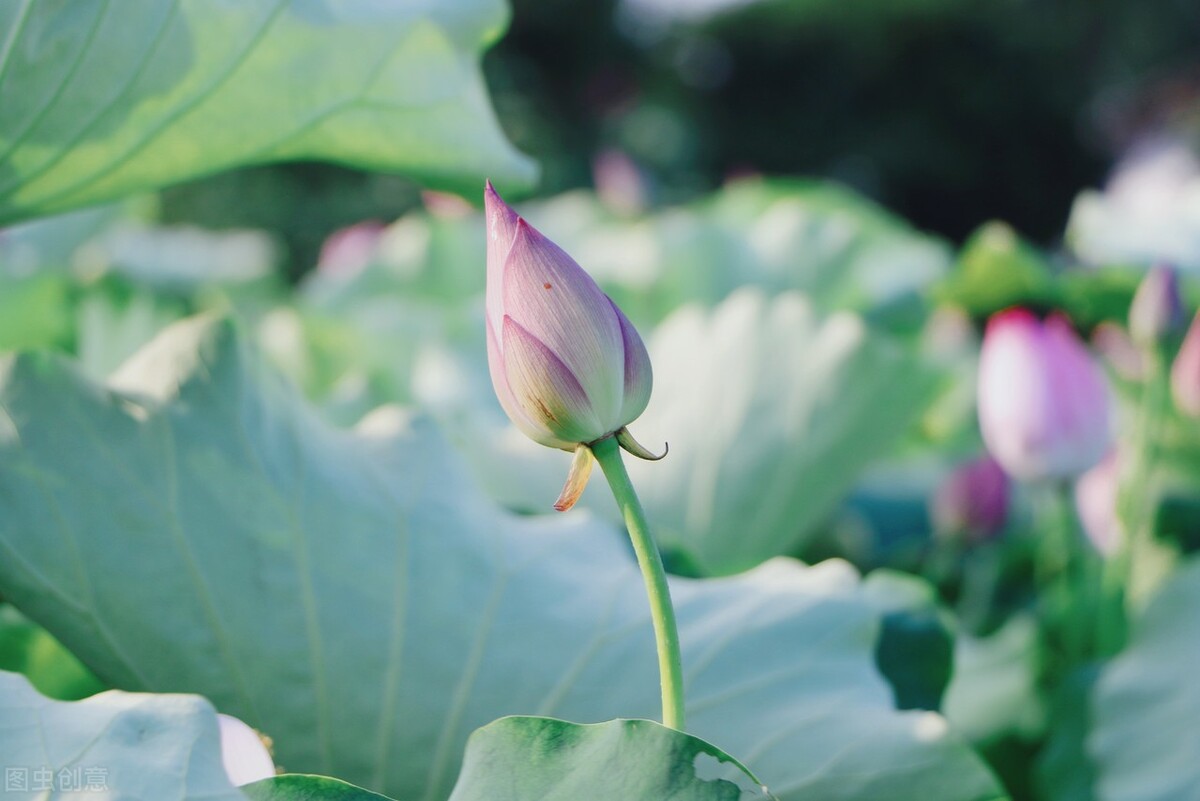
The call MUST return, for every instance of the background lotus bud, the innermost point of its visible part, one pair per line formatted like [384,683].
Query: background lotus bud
[973,500]
[1096,504]
[347,251]
[1185,372]
[568,367]
[1043,400]
[1119,352]
[1157,311]
[243,752]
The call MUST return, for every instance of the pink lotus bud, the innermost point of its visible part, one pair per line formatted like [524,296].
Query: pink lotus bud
[347,251]
[1156,312]
[1117,350]
[244,754]
[973,500]
[1043,401]
[1185,372]
[568,367]
[1096,504]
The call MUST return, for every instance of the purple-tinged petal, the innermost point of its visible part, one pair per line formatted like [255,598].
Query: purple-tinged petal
[1083,417]
[538,433]
[559,304]
[1096,504]
[1014,393]
[501,228]
[972,500]
[1185,372]
[545,389]
[639,376]
[1043,401]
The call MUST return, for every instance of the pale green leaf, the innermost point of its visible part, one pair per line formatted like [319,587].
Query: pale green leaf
[193,526]
[301,787]
[1146,704]
[522,758]
[772,411]
[133,747]
[104,98]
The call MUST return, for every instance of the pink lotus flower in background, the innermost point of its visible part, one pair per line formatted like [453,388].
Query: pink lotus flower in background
[347,251]
[1043,400]
[973,500]
[1185,372]
[568,367]
[1118,351]
[1096,504]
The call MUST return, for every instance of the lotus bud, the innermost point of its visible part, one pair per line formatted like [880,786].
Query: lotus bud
[1185,372]
[1096,504]
[348,251]
[568,367]
[1156,312]
[1117,350]
[972,501]
[244,753]
[1043,400]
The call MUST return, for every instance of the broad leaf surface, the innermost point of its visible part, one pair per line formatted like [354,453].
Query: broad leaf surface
[301,787]
[772,412]
[135,747]
[521,758]
[1146,704]
[194,527]
[104,98]
[29,649]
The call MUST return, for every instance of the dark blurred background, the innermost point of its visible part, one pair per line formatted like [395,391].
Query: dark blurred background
[949,112]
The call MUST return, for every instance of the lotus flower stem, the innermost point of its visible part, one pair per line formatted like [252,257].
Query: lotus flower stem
[666,633]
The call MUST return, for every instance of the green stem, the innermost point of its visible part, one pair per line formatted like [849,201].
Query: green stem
[666,632]
[1136,497]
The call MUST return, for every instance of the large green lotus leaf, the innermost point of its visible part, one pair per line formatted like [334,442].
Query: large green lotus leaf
[134,747]
[994,691]
[102,99]
[192,526]
[521,758]
[29,649]
[1146,704]
[771,411]
[301,787]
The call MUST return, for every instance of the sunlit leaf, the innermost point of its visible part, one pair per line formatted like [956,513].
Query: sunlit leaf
[103,99]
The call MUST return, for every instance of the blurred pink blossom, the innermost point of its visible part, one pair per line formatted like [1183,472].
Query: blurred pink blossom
[347,251]
[972,500]
[1043,400]
[1096,504]
[1185,372]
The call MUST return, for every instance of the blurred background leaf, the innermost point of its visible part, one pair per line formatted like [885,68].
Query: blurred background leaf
[101,103]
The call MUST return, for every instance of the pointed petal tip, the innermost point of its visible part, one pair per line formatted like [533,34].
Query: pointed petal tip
[577,479]
[635,448]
